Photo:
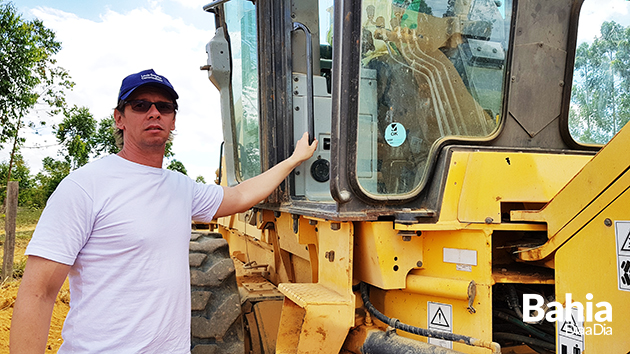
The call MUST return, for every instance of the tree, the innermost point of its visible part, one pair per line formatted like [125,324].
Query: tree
[28,73]
[54,171]
[200,179]
[21,174]
[103,140]
[82,137]
[76,135]
[601,90]
[177,166]
[168,150]
[105,143]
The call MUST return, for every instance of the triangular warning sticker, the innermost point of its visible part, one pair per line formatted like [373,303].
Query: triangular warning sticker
[439,319]
[625,246]
[570,327]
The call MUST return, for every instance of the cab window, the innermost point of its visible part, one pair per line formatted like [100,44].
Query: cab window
[600,95]
[240,18]
[431,70]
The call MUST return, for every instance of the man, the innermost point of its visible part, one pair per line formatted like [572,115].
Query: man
[119,227]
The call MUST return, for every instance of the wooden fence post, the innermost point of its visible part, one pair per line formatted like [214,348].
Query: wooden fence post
[9,228]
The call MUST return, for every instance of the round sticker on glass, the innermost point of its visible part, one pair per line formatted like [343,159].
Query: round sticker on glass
[395,134]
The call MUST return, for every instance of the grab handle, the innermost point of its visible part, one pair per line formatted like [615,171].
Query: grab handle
[309,80]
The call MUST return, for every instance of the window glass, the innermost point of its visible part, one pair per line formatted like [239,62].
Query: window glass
[600,96]
[430,70]
[240,17]
[326,10]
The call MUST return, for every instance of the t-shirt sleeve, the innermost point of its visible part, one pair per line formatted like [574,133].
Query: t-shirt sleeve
[64,226]
[206,201]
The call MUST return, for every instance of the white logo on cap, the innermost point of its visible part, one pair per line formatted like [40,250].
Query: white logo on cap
[151,77]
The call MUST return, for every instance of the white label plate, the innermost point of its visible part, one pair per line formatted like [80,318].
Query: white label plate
[571,335]
[440,318]
[460,256]
[622,236]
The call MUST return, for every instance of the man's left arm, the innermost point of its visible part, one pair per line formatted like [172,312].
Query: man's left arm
[248,193]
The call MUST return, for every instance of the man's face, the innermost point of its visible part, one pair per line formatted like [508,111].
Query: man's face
[148,130]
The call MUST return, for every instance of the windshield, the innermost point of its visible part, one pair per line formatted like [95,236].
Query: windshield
[431,70]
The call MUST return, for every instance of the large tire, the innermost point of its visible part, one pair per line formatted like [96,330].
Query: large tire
[216,323]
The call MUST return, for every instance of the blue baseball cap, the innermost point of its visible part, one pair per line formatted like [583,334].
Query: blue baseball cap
[146,77]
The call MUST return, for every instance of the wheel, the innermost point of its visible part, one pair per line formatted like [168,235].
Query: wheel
[216,322]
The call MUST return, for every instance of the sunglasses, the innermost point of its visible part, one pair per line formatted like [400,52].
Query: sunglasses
[142,106]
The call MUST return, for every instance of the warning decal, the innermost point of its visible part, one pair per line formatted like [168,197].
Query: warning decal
[624,273]
[570,327]
[622,236]
[625,246]
[571,334]
[440,318]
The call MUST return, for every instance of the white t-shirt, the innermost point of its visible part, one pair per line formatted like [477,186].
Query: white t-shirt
[125,229]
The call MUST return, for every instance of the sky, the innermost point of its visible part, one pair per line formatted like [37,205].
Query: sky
[595,12]
[105,40]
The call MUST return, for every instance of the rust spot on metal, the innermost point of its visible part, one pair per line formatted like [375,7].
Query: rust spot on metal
[322,332]
[330,256]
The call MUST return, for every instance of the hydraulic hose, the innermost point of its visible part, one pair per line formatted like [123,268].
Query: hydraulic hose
[513,301]
[524,339]
[379,342]
[395,323]
[529,328]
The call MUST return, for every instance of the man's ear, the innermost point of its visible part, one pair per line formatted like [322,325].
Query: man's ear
[173,123]
[118,119]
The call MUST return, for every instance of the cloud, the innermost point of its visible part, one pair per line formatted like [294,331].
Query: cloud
[594,13]
[99,54]
[196,4]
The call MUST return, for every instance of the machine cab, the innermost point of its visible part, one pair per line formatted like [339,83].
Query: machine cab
[389,88]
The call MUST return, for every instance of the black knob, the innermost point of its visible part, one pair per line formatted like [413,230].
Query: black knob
[320,170]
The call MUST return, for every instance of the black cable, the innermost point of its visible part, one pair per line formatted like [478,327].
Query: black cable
[356,287]
[395,323]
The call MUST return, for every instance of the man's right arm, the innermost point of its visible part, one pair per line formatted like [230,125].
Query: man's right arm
[34,304]
[245,195]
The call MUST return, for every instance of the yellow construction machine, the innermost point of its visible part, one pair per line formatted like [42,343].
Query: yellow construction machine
[447,208]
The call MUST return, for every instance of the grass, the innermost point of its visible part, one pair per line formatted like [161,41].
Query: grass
[25,223]
[26,217]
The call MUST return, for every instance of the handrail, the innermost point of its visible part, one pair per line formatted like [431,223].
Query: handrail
[309,80]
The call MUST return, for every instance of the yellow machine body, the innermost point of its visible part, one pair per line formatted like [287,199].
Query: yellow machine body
[317,265]
[446,194]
